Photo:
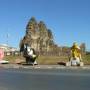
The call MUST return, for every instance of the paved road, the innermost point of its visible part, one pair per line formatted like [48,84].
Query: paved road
[44,79]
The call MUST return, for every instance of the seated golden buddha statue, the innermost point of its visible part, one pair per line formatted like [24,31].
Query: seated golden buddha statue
[75,58]
[76,52]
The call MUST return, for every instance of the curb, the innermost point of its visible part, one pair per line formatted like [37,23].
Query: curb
[16,66]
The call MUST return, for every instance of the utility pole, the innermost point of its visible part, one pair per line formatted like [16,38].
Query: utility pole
[7,37]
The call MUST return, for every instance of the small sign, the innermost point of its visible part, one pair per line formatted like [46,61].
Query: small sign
[1,54]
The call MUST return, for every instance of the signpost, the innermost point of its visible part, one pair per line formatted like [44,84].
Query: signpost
[2,56]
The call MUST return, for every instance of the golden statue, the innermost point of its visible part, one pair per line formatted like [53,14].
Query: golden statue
[75,58]
[76,52]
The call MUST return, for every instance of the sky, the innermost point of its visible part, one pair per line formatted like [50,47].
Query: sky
[69,20]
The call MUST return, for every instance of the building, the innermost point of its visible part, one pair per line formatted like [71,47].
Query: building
[8,50]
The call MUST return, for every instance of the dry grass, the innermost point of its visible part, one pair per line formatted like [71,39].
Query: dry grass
[51,59]
[46,59]
[86,59]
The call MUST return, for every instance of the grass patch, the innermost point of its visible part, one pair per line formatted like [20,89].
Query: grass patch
[86,59]
[51,60]
[12,59]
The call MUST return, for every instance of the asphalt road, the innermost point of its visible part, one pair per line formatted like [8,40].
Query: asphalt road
[44,79]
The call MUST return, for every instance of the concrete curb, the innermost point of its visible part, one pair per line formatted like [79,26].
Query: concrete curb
[16,66]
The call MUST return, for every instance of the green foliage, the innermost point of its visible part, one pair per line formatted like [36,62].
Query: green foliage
[50,35]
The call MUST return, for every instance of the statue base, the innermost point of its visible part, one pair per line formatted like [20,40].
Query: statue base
[32,63]
[74,63]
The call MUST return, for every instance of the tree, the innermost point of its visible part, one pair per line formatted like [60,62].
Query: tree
[38,36]
[43,35]
[32,33]
[83,48]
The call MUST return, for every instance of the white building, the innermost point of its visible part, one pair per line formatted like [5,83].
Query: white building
[7,48]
